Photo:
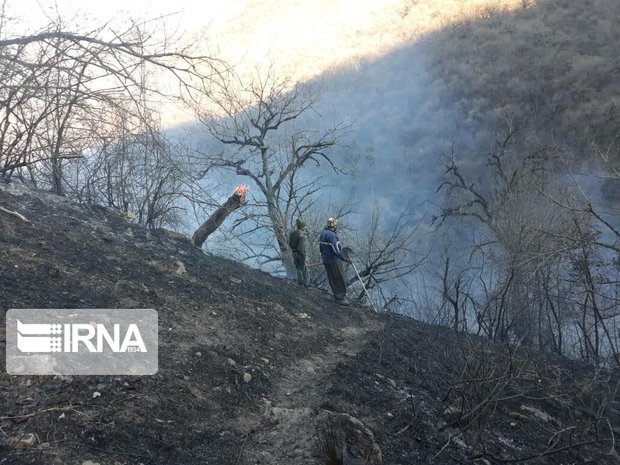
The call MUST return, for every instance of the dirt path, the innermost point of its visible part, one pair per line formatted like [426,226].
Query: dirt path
[298,406]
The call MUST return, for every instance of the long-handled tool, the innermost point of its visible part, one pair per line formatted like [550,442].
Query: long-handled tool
[348,252]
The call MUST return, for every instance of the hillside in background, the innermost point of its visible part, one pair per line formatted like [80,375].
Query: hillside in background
[549,67]
[253,369]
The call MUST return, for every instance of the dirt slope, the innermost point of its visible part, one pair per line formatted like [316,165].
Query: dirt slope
[368,378]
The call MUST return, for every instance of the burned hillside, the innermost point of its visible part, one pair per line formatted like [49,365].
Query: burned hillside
[253,369]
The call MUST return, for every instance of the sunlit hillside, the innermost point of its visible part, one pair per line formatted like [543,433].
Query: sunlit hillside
[306,38]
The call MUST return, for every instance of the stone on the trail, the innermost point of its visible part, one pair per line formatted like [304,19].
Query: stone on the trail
[180,268]
[22,442]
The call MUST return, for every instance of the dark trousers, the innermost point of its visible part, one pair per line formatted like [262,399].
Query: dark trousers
[337,279]
[302,270]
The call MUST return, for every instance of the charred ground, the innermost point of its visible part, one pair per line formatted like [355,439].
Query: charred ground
[386,388]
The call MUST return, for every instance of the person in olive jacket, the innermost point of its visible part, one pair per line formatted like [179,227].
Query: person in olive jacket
[297,242]
[332,257]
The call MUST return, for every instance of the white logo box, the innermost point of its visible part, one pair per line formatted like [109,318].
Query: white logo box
[81,342]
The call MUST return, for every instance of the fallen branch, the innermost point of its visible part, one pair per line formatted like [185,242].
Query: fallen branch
[402,430]
[450,438]
[52,409]
[241,450]
[234,202]
[15,214]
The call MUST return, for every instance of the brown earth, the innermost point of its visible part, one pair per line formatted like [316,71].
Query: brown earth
[378,383]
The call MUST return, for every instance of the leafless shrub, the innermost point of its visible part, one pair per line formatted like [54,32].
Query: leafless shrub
[567,411]
[58,87]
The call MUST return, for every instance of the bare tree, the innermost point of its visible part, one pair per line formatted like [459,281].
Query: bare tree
[594,239]
[58,84]
[138,172]
[547,256]
[257,120]
[385,253]
[502,204]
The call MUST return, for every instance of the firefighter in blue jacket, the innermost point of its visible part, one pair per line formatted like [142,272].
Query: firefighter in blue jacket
[331,255]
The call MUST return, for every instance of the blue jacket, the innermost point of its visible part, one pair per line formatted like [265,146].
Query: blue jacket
[330,247]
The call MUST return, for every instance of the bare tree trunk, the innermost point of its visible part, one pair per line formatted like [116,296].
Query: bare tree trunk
[281,233]
[57,186]
[234,202]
